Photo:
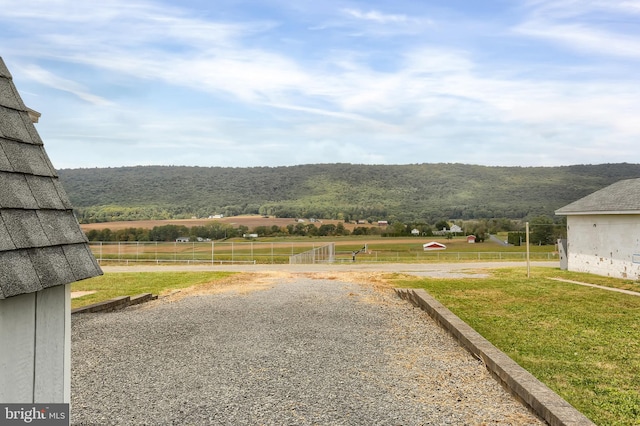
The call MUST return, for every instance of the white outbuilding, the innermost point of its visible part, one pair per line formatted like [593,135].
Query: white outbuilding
[603,231]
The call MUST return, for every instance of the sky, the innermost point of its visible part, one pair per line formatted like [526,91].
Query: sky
[244,83]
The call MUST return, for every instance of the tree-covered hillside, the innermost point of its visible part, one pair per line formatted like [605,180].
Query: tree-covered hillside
[412,192]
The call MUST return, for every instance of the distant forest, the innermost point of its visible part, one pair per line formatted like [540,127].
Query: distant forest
[406,193]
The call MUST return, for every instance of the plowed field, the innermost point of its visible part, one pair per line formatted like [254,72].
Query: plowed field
[250,221]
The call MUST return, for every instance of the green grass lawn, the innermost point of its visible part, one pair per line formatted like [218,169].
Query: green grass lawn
[113,285]
[582,342]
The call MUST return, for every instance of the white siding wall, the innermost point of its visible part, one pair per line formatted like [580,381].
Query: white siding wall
[35,347]
[606,245]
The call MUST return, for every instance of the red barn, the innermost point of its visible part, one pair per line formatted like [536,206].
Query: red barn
[433,245]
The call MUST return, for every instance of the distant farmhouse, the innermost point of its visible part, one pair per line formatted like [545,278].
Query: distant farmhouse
[455,229]
[603,231]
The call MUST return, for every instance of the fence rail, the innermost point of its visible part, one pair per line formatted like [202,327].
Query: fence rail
[324,254]
[280,252]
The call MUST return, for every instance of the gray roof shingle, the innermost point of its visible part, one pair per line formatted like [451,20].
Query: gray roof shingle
[51,265]
[27,158]
[622,197]
[4,71]
[61,227]
[82,262]
[24,228]
[5,164]
[41,243]
[9,96]
[44,192]
[15,192]
[14,125]
[17,275]
[6,243]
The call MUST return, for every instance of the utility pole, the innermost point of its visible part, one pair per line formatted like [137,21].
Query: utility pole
[528,263]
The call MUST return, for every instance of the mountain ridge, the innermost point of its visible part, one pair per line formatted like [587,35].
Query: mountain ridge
[411,192]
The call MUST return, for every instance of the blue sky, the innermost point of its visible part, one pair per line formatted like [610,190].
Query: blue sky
[270,83]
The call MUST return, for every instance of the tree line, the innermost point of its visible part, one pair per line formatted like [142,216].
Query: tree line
[544,230]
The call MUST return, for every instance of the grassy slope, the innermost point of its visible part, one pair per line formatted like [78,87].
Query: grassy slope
[130,284]
[582,342]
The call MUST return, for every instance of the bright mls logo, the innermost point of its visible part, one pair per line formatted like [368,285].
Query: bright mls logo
[34,414]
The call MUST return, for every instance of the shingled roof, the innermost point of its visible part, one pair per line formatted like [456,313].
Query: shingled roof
[622,197]
[41,243]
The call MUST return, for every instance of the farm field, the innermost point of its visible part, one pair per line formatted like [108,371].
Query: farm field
[271,250]
[250,221]
[279,250]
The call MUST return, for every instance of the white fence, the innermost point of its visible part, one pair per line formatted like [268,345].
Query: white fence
[197,252]
[324,254]
[296,252]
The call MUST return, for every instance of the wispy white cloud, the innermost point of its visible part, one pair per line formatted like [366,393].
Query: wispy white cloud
[366,23]
[376,16]
[584,38]
[592,26]
[558,9]
[47,78]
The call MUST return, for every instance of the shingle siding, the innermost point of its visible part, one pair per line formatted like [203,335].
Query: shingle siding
[41,243]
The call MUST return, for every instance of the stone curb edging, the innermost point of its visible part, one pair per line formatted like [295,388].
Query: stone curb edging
[544,402]
[115,304]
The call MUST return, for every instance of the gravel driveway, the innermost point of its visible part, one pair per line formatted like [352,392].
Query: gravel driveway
[296,351]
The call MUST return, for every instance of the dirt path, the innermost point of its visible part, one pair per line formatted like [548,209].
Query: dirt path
[423,269]
[280,347]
